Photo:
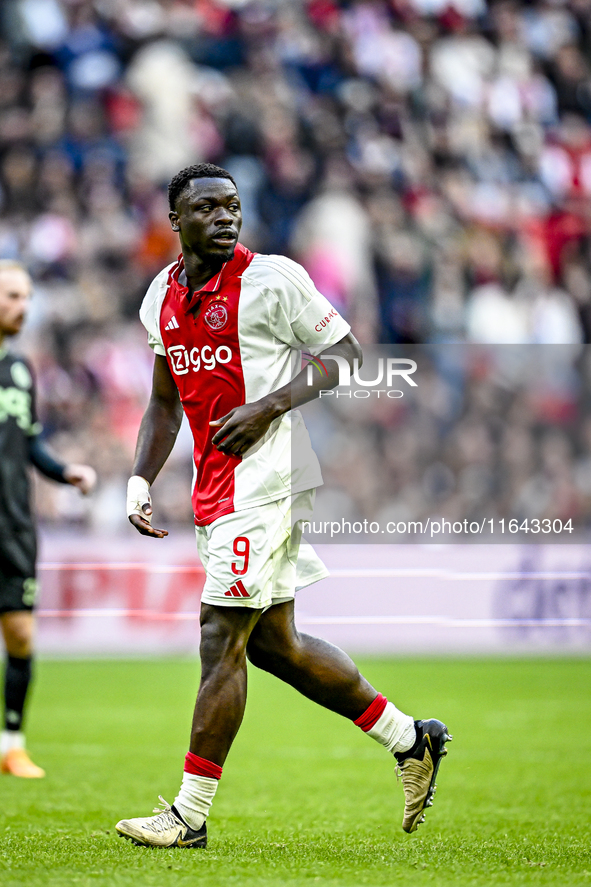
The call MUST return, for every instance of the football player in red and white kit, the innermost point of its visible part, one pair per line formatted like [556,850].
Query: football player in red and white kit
[228,327]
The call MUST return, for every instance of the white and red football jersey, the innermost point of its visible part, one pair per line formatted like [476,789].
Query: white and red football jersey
[236,340]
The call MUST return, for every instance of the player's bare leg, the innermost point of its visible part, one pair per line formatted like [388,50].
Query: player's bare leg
[319,670]
[325,674]
[219,710]
[222,692]
[17,630]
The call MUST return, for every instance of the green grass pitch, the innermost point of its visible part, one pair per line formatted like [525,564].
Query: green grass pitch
[305,797]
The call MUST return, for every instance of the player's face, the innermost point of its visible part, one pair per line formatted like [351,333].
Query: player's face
[15,293]
[208,218]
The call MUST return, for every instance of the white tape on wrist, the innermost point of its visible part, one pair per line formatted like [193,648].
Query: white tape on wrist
[138,494]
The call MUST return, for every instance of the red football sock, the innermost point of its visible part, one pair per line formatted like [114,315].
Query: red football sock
[198,788]
[201,766]
[391,728]
[372,714]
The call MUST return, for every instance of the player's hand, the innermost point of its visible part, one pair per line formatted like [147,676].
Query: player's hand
[81,476]
[143,526]
[241,428]
[139,507]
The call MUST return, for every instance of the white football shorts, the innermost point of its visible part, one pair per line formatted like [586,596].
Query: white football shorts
[256,557]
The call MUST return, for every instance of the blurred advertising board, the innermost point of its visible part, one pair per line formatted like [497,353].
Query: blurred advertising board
[141,597]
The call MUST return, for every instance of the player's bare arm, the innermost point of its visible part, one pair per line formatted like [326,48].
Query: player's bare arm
[158,432]
[243,426]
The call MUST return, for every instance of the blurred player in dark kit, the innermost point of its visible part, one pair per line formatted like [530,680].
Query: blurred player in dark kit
[228,327]
[20,447]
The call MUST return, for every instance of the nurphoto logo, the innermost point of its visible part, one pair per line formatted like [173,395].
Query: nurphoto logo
[387,369]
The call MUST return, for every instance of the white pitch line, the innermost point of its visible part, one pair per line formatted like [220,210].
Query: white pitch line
[338,573]
[113,567]
[445,622]
[440,621]
[449,576]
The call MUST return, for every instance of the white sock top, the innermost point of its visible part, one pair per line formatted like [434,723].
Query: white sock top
[195,798]
[10,739]
[394,730]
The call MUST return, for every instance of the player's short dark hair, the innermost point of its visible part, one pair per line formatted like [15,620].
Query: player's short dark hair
[198,171]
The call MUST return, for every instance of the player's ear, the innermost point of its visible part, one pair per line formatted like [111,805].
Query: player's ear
[174,221]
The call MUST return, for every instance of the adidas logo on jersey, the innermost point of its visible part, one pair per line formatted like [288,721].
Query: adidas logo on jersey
[237,590]
[172,324]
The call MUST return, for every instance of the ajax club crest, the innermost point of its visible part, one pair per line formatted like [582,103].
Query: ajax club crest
[216,316]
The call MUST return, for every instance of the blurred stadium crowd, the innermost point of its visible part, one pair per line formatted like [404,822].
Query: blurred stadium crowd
[428,161]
